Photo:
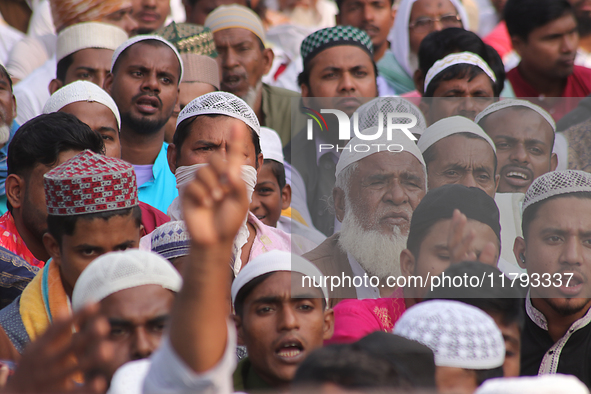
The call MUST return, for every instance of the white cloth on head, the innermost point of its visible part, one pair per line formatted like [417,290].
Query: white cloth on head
[350,155]
[511,103]
[88,35]
[116,271]
[450,126]
[399,35]
[368,113]
[556,183]
[81,91]
[541,384]
[145,37]
[32,92]
[460,335]
[275,261]
[271,145]
[221,103]
[458,58]
[235,16]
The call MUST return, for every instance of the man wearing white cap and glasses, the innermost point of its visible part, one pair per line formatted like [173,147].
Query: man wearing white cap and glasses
[375,194]
[556,224]
[459,84]
[146,72]
[135,290]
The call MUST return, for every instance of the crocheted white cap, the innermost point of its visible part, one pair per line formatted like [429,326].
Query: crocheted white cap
[271,145]
[81,91]
[88,35]
[275,261]
[171,240]
[460,335]
[116,271]
[541,384]
[458,58]
[450,126]
[357,149]
[145,37]
[507,103]
[221,103]
[556,183]
[368,114]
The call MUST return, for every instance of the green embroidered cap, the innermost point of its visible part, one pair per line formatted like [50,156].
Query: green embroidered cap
[189,38]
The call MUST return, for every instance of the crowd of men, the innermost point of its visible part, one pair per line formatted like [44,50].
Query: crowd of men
[311,196]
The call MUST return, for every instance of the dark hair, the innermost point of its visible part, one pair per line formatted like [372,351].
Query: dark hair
[58,226]
[348,366]
[43,138]
[6,75]
[496,296]
[304,76]
[439,44]
[182,132]
[62,67]
[457,71]
[430,155]
[483,375]
[154,43]
[278,170]
[524,16]
[340,3]
[531,211]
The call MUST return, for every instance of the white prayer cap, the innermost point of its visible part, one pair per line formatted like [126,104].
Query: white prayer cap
[221,103]
[235,16]
[81,91]
[358,149]
[460,335]
[541,384]
[508,103]
[450,126]
[271,145]
[116,271]
[458,58]
[369,113]
[556,183]
[145,37]
[276,261]
[88,35]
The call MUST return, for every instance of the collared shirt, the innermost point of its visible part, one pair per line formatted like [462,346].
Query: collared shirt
[12,240]
[161,189]
[570,355]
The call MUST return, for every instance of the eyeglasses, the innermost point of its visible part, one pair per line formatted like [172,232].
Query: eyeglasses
[428,24]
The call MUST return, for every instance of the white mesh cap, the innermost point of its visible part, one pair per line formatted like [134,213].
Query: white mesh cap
[460,335]
[275,261]
[450,126]
[88,35]
[508,103]
[81,91]
[556,183]
[357,149]
[145,37]
[116,271]
[221,103]
[368,113]
[271,145]
[541,384]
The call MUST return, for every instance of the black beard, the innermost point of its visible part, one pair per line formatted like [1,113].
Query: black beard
[143,126]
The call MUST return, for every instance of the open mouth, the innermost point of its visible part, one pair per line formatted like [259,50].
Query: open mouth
[290,350]
[232,80]
[148,104]
[572,285]
[517,176]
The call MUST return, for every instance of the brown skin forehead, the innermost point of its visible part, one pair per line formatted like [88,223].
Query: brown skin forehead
[138,305]
[144,54]
[430,8]
[340,56]
[459,148]
[519,122]
[94,114]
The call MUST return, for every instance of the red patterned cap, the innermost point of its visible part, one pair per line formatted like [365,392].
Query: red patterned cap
[89,183]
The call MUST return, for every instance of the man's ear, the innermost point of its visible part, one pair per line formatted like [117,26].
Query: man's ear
[260,161]
[54,86]
[52,247]
[338,196]
[337,19]
[518,44]
[328,324]
[15,190]
[519,252]
[419,80]
[553,162]
[14,113]
[268,57]
[108,84]
[407,263]
[305,90]
[286,197]
[171,156]
[425,109]
[497,180]
[239,331]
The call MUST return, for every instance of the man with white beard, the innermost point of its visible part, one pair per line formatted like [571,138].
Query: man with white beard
[378,185]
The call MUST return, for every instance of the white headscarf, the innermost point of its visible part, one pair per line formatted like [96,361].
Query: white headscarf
[399,37]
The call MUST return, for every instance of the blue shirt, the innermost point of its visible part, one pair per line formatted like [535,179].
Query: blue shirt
[161,189]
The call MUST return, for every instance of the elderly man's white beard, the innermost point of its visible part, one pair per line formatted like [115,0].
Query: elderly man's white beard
[377,253]
[251,96]
[4,134]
